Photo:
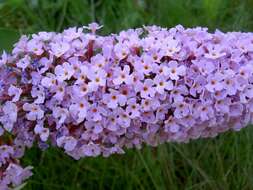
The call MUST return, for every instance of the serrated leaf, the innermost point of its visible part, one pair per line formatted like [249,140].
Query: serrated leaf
[7,38]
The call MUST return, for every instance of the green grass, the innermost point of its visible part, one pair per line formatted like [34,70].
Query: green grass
[225,162]
[35,15]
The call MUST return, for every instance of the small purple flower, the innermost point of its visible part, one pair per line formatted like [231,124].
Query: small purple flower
[95,127]
[123,119]
[204,111]
[162,84]
[24,62]
[15,92]
[182,109]
[148,117]
[223,105]
[93,27]
[122,75]
[146,89]
[99,61]
[81,90]
[214,83]
[170,46]
[35,46]
[42,132]
[95,113]
[121,51]
[177,94]
[98,78]
[247,94]
[61,115]
[230,85]
[43,36]
[59,48]
[49,80]
[114,99]
[34,111]
[79,110]
[174,71]
[67,142]
[215,52]
[133,108]
[4,59]
[148,104]
[59,91]
[9,117]
[205,66]
[111,123]
[90,149]
[72,33]
[44,64]
[236,109]
[246,71]
[171,125]
[198,86]
[38,92]
[145,65]
[64,71]
[244,46]
[161,111]
[16,174]
[35,78]
[6,152]
[82,75]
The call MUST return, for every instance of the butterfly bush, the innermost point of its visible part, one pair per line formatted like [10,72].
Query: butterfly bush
[94,95]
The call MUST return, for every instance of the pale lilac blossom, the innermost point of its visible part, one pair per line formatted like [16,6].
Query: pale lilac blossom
[35,46]
[42,132]
[122,76]
[15,93]
[9,118]
[214,83]
[24,62]
[146,89]
[171,46]
[49,80]
[64,71]
[67,142]
[162,84]
[121,51]
[98,78]
[215,51]
[99,95]
[114,99]
[175,71]
[38,92]
[4,59]
[93,27]
[34,111]
[59,48]
[79,110]
[61,114]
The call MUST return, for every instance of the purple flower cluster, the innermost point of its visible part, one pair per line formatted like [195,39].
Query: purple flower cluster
[96,95]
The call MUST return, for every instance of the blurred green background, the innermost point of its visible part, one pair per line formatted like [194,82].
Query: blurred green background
[225,162]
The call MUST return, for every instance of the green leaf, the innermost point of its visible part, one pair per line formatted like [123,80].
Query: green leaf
[7,38]
[20,187]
